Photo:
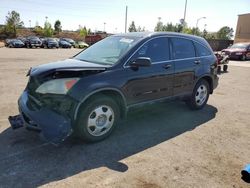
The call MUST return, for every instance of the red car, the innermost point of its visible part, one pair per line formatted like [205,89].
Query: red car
[238,51]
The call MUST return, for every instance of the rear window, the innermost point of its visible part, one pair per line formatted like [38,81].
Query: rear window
[182,48]
[201,50]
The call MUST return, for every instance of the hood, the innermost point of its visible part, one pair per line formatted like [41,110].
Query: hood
[66,65]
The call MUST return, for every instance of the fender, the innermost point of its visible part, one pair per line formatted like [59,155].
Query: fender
[201,77]
[97,91]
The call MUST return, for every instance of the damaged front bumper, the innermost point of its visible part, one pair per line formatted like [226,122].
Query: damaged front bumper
[53,127]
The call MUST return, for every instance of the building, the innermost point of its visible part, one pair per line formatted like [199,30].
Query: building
[243,28]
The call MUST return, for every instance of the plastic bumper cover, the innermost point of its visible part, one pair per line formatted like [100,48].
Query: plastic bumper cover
[54,127]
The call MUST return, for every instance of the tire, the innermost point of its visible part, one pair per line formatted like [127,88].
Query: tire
[219,69]
[243,57]
[225,67]
[97,119]
[199,96]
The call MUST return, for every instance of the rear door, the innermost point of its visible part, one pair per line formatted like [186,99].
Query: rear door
[154,82]
[186,65]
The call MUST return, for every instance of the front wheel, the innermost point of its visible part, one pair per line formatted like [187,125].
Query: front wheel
[199,96]
[97,119]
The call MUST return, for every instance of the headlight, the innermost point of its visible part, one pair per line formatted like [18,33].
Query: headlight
[238,53]
[57,86]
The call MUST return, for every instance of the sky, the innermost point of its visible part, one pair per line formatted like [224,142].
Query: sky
[145,13]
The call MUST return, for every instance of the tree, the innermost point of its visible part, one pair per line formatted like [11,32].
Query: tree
[132,27]
[225,33]
[159,26]
[57,26]
[47,31]
[13,21]
[38,30]
[83,32]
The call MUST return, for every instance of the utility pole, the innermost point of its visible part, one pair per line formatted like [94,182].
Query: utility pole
[184,18]
[126,19]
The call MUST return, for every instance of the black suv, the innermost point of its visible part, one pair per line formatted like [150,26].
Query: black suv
[33,41]
[89,93]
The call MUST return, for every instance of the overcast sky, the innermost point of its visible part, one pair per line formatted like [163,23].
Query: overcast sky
[93,13]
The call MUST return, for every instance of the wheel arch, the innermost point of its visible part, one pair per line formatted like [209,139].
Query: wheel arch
[113,93]
[209,80]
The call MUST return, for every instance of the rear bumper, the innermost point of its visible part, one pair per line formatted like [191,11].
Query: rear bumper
[54,127]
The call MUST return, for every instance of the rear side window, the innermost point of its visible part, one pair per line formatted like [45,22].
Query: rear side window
[201,50]
[156,49]
[182,48]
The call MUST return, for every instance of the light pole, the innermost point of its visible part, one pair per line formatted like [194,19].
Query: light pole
[30,23]
[104,26]
[198,22]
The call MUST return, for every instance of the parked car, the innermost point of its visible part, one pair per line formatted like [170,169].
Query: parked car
[14,43]
[89,93]
[50,43]
[64,44]
[33,41]
[23,39]
[81,44]
[238,51]
[71,41]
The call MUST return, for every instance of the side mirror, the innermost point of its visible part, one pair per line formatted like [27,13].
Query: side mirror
[141,62]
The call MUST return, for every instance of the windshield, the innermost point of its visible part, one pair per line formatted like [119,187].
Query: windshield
[239,45]
[108,50]
[69,40]
[51,40]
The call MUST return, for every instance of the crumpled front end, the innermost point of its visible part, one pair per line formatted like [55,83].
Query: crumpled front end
[54,126]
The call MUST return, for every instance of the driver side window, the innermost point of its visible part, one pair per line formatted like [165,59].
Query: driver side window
[156,49]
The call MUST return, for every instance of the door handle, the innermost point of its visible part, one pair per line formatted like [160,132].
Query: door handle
[166,66]
[197,62]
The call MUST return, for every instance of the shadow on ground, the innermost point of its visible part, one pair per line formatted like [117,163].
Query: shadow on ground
[27,162]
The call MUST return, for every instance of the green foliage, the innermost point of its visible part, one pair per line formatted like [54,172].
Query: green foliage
[159,26]
[13,21]
[168,27]
[83,32]
[225,33]
[38,30]
[140,29]
[47,31]
[132,27]
[57,26]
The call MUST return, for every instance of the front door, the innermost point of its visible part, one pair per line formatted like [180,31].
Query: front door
[153,82]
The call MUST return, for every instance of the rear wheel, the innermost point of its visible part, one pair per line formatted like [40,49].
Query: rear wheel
[243,57]
[199,96]
[97,119]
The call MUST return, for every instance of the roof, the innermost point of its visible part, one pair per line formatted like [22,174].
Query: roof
[246,14]
[153,34]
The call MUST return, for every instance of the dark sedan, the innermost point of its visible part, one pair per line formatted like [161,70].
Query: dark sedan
[64,44]
[239,51]
[14,43]
[71,41]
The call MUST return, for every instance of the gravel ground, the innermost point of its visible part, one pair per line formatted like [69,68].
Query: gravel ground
[160,145]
